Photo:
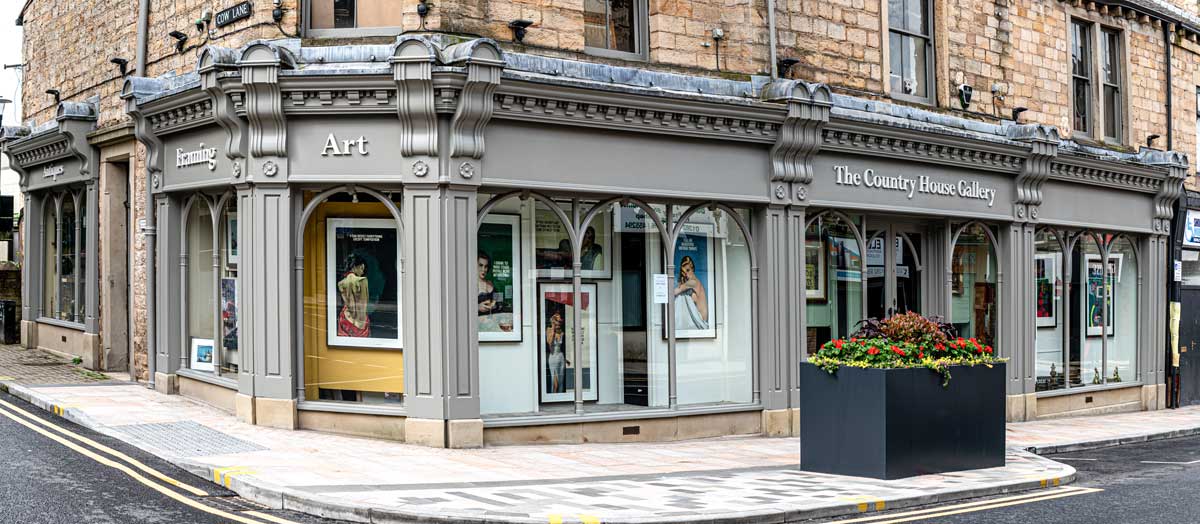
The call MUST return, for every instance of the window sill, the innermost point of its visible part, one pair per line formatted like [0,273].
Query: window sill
[571,418]
[619,55]
[1088,389]
[352,32]
[61,323]
[210,378]
[347,407]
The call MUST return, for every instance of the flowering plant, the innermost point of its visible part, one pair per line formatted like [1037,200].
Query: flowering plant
[905,341]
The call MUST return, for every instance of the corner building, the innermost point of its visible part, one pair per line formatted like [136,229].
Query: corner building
[459,241]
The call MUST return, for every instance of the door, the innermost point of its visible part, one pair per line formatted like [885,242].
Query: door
[1189,346]
[893,275]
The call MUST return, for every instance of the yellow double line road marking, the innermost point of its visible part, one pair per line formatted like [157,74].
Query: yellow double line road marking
[970,507]
[28,420]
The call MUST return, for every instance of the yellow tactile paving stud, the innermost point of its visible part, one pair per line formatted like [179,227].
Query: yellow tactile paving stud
[224,476]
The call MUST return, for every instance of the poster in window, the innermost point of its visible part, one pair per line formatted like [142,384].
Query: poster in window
[498,266]
[231,238]
[1098,285]
[693,299]
[552,246]
[229,314]
[556,312]
[1045,267]
[1191,229]
[814,270]
[846,257]
[363,282]
[202,354]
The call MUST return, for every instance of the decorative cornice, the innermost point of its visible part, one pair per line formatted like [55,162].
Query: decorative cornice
[892,142]
[1072,170]
[181,117]
[1172,187]
[43,153]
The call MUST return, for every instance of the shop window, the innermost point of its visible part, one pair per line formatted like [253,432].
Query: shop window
[1050,324]
[1191,267]
[1120,362]
[528,307]
[229,296]
[833,263]
[352,296]
[50,281]
[201,286]
[973,289]
[67,248]
[615,28]
[910,45]
[63,231]
[1087,301]
[325,15]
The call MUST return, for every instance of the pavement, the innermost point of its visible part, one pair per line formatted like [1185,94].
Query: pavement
[736,479]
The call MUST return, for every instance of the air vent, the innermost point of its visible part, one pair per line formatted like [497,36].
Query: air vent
[1087,399]
[631,430]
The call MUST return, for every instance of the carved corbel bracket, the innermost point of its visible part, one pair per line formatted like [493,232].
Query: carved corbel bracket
[800,135]
[1043,143]
[142,130]
[484,63]
[260,63]
[1172,186]
[214,61]
[9,134]
[412,70]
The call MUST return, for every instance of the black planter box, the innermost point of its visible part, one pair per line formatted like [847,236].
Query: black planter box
[896,423]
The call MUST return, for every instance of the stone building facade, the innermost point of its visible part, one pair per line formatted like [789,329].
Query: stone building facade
[980,62]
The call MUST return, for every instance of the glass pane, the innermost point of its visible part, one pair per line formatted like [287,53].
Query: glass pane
[896,14]
[834,263]
[914,64]
[1080,99]
[896,65]
[712,307]
[908,276]
[200,306]
[50,258]
[337,14]
[343,13]
[66,252]
[1191,267]
[81,271]
[230,298]
[1048,307]
[914,16]
[973,286]
[621,25]
[1112,112]
[1087,283]
[352,332]
[876,275]
[1111,59]
[1123,294]
[1080,50]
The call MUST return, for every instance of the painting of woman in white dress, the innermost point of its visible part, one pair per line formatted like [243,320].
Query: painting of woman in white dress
[692,297]
[558,361]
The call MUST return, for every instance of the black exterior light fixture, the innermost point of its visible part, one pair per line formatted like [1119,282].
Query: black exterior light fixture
[277,11]
[1016,113]
[1150,141]
[783,65]
[965,92]
[121,63]
[180,40]
[423,9]
[57,96]
[519,28]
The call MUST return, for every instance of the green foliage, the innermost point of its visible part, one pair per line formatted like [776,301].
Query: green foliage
[905,341]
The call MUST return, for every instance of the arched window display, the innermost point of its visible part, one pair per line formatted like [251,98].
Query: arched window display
[201,293]
[81,259]
[1087,297]
[351,312]
[1049,310]
[833,259]
[68,234]
[229,300]
[1121,352]
[973,284]
[530,304]
[50,287]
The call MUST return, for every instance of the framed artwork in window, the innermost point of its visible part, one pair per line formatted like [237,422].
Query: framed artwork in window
[498,265]
[552,246]
[231,238]
[556,357]
[693,301]
[814,271]
[202,354]
[1046,282]
[362,267]
[1098,284]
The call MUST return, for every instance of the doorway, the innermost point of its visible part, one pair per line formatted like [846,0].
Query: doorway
[894,275]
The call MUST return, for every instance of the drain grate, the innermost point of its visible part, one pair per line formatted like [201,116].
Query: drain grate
[185,439]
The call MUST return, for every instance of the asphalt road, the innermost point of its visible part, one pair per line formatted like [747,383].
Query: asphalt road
[1150,483]
[45,481]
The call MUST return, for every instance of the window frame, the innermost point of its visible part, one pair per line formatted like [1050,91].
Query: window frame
[1089,66]
[1119,75]
[1097,50]
[930,54]
[641,36]
[53,201]
[307,31]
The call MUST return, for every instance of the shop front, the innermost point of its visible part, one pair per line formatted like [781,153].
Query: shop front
[58,170]
[437,242]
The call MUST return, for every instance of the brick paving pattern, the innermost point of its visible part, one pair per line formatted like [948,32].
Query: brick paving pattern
[32,366]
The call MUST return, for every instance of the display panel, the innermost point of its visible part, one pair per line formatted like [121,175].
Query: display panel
[499,266]
[363,273]
[694,297]
[552,247]
[556,314]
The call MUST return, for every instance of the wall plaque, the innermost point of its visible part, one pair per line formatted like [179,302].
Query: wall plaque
[233,14]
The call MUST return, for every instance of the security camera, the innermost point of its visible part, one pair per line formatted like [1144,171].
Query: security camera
[964,94]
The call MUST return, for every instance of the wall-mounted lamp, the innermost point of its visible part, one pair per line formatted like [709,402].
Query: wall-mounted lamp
[1150,141]
[277,12]
[785,64]
[57,96]
[180,40]
[519,28]
[1016,113]
[121,63]
[965,92]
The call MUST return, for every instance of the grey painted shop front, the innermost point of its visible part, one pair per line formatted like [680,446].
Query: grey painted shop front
[412,240]
[58,176]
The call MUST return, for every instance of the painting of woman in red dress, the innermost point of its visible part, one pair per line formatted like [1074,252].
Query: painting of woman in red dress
[354,289]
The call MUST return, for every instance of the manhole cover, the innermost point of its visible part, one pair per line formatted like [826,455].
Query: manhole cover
[185,439]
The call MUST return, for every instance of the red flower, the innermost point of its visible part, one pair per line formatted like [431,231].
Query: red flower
[838,343]
[897,351]
[873,351]
[920,354]
[987,349]
[940,347]
[853,339]
[961,342]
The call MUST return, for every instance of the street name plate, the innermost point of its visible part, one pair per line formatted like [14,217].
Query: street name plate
[233,14]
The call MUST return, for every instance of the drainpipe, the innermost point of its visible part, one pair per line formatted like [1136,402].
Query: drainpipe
[771,39]
[1173,242]
[149,230]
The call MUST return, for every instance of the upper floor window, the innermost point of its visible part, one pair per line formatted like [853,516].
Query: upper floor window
[1097,105]
[366,17]
[910,42]
[615,28]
